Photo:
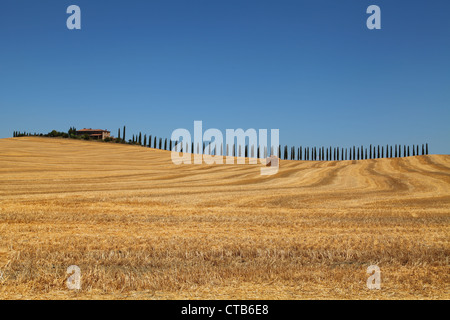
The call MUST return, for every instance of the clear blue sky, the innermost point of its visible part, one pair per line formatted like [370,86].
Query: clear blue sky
[309,68]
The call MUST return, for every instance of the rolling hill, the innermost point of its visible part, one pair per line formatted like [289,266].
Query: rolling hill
[140,227]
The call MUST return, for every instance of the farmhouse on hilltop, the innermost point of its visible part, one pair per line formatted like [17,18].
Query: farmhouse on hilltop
[94,133]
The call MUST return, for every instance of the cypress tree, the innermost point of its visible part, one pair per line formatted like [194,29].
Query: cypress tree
[165,144]
[396,151]
[414,150]
[160,143]
[132,138]
[118,133]
[301,153]
[154,143]
[426,148]
[124,134]
[417,150]
[150,141]
[140,138]
[370,152]
[145,140]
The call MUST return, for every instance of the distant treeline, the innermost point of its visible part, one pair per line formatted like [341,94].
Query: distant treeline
[285,152]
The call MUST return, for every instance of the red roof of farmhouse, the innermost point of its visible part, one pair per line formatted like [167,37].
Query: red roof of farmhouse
[92,130]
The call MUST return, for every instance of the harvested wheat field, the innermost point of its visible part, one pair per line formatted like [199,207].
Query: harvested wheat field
[140,227]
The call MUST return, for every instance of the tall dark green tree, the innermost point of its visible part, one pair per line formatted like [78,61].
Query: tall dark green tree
[145,140]
[426,148]
[124,128]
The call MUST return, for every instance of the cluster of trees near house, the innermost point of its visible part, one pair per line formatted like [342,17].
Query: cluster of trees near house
[285,152]
[70,134]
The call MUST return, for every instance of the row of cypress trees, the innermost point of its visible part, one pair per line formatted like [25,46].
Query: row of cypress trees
[353,153]
[292,153]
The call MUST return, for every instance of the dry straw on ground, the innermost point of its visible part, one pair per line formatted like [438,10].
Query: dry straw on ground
[140,227]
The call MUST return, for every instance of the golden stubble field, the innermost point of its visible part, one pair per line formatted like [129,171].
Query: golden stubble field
[140,227]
